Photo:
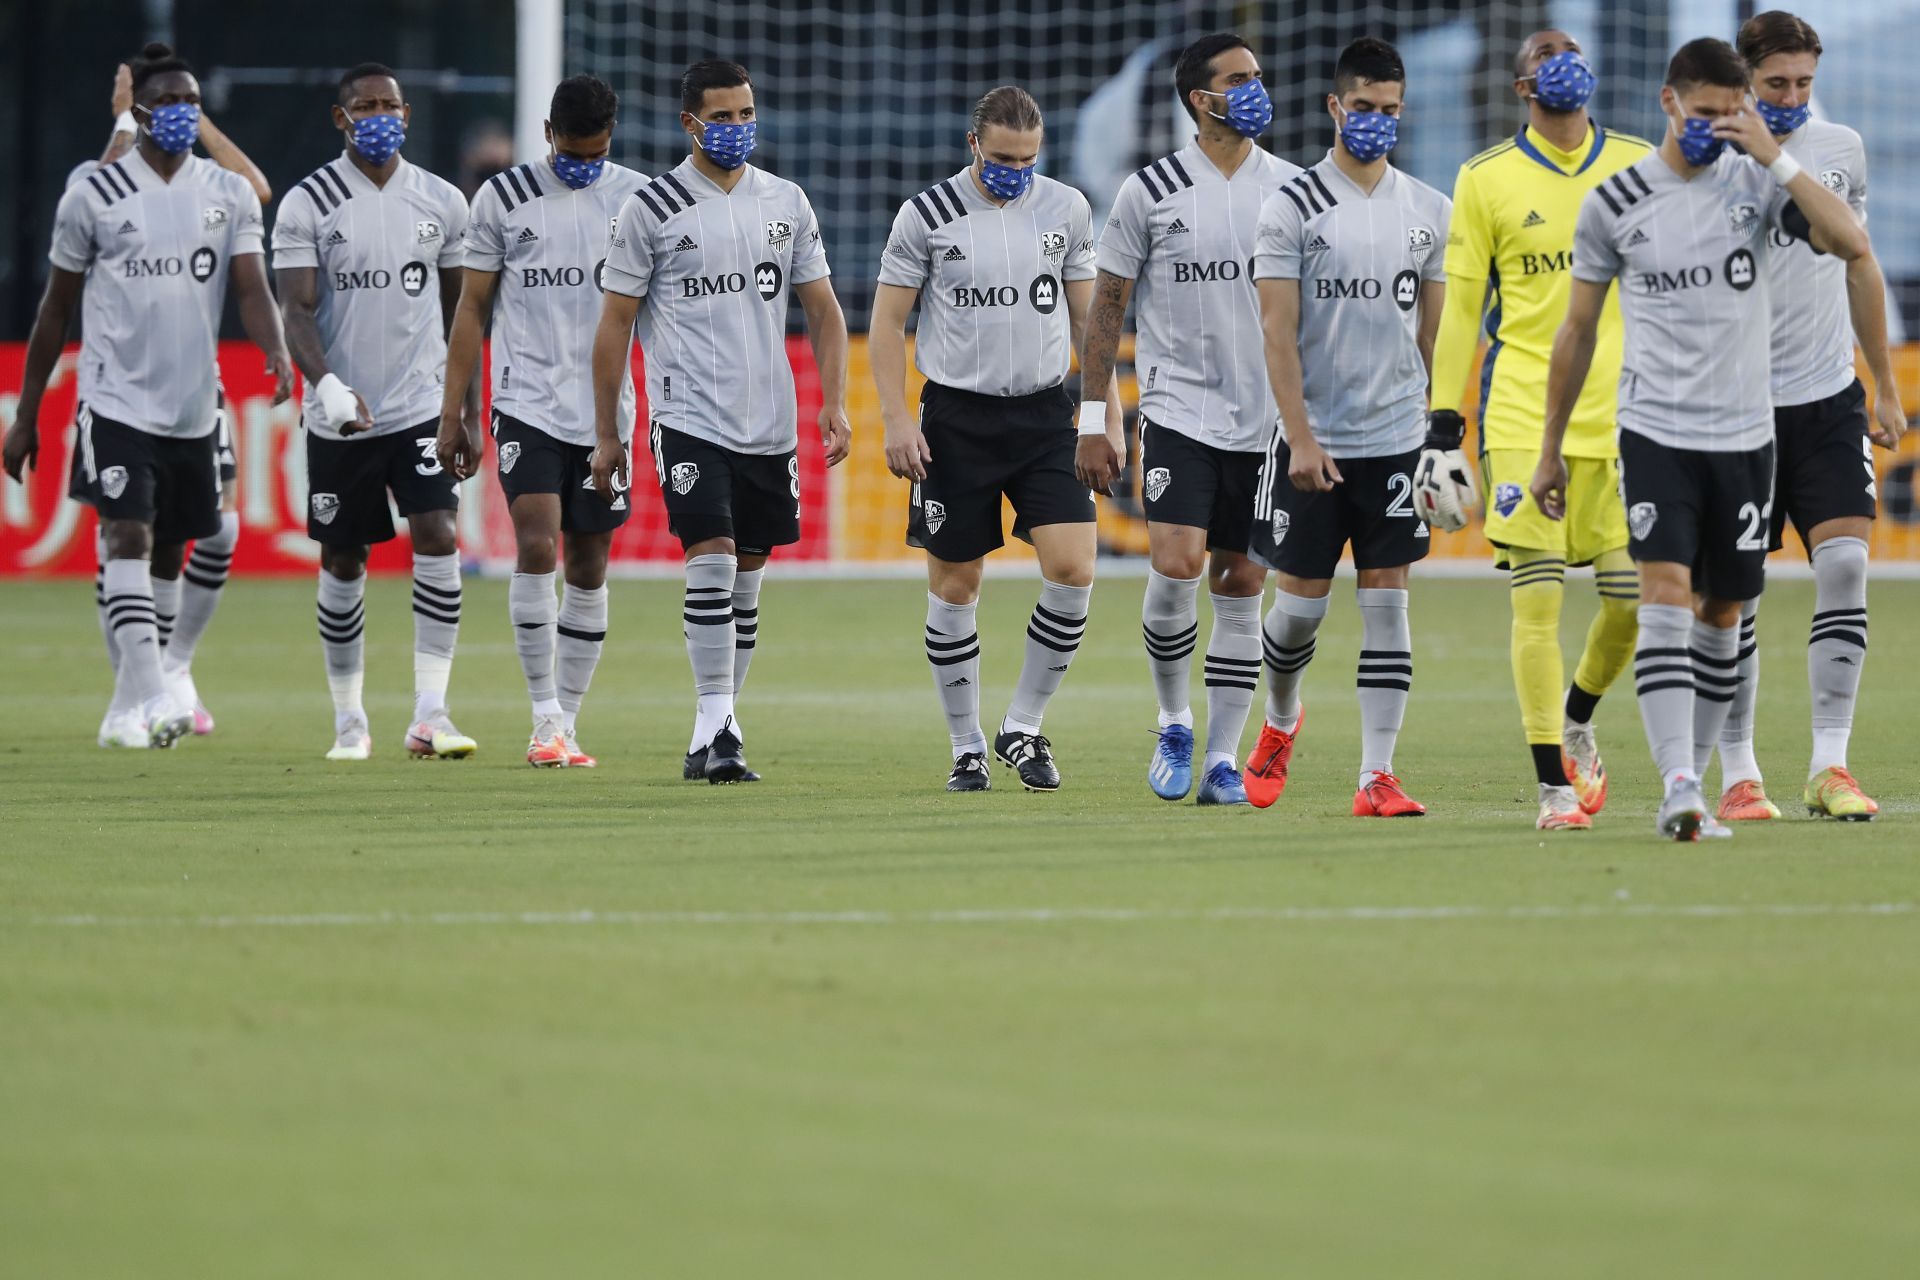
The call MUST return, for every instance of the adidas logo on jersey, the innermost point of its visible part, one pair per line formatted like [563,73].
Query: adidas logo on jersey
[1534,219]
[127,228]
[526,236]
[953,254]
[1638,237]
[1318,244]
[686,243]
[1177,228]
[336,239]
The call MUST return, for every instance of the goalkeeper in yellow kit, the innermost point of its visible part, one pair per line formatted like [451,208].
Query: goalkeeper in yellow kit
[1509,252]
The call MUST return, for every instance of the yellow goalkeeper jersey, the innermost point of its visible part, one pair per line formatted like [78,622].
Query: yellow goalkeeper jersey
[1514,209]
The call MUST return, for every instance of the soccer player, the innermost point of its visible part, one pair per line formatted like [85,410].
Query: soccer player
[151,238]
[367,252]
[1003,261]
[1348,266]
[1824,465]
[537,241]
[1507,260]
[1686,233]
[714,247]
[1181,237]
[186,591]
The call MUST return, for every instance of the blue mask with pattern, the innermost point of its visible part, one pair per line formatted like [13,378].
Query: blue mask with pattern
[728,145]
[1698,146]
[578,174]
[1249,109]
[1004,182]
[1564,82]
[1369,135]
[1782,121]
[378,138]
[175,127]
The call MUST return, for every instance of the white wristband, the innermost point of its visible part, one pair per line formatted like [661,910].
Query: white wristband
[1093,417]
[1785,169]
[124,123]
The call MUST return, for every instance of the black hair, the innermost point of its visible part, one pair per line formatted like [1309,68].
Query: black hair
[1368,58]
[1707,61]
[1194,70]
[360,71]
[1520,71]
[154,60]
[582,106]
[713,73]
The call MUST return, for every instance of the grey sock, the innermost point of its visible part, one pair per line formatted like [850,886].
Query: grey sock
[1169,624]
[531,605]
[1385,674]
[130,611]
[953,651]
[1288,643]
[1053,637]
[582,633]
[746,623]
[201,583]
[1836,647]
[1663,682]
[709,630]
[1233,671]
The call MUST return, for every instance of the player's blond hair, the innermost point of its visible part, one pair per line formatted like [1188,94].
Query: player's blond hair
[1009,106]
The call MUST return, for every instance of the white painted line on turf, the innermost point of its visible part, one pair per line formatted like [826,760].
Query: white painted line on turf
[982,915]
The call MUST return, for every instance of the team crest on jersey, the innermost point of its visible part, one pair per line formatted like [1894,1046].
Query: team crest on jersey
[779,233]
[1506,499]
[684,476]
[1044,294]
[113,481]
[1053,244]
[413,278]
[426,231]
[1419,241]
[767,279]
[1834,180]
[1743,217]
[325,507]
[213,219]
[1406,290]
[1640,520]
[934,513]
[1740,270]
[1158,481]
[509,454]
[202,264]
[1281,523]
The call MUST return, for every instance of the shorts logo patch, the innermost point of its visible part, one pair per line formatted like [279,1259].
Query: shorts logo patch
[1640,520]
[113,481]
[509,454]
[1158,481]
[213,218]
[1281,523]
[426,231]
[934,513]
[325,507]
[1506,499]
[684,476]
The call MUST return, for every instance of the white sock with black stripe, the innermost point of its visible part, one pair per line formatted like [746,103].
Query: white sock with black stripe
[709,630]
[1169,624]
[1737,761]
[531,607]
[1663,683]
[1288,642]
[1054,630]
[953,651]
[582,633]
[166,608]
[201,583]
[1385,675]
[130,611]
[436,627]
[1836,646]
[1715,652]
[343,626]
[1232,673]
[119,702]
[746,623]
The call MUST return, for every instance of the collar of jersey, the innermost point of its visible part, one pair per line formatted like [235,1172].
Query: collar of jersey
[350,172]
[1534,151]
[689,172]
[1327,166]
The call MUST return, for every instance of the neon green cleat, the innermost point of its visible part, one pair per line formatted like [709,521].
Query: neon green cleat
[1832,793]
[437,739]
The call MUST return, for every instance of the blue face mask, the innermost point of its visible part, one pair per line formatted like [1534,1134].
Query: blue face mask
[1564,82]
[1698,146]
[578,174]
[175,127]
[728,145]
[1369,135]
[1782,121]
[1004,182]
[378,138]
[1249,109]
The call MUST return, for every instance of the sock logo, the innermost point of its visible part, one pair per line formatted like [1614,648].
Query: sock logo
[955,684]
[1640,520]
[934,513]
[325,507]
[1158,481]
[684,476]
[1281,523]
[509,454]
[113,481]
[1061,667]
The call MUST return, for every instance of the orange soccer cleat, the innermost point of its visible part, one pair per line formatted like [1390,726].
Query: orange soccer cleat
[1746,801]
[576,758]
[1384,797]
[548,753]
[1265,776]
[1832,793]
[1580,757]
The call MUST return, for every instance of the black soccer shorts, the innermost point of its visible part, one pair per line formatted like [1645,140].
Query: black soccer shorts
[985,448]
[1302,534]
[711,491]
[1823,463]
[531,461]
[170,483]
[1188,482]
[348,481]
[1699,508]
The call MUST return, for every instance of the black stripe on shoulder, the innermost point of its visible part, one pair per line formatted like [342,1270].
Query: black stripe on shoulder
[1619,183]
[937,202]
[1298,203]
[1612,203]
[331,175]
[659,191]
[1174,160]
[1301,185]
[1165,175]
[113,183]
[1146,180]
[919,204]
[526,174]
[953,198]
[653,206]
[520,195]
[1491,153]
[1321,187]
[1639,180]
[101,188]
[322,201]
[125,177]
[675,183]
[499,189]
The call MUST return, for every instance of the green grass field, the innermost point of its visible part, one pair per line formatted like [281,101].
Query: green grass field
[265,1017]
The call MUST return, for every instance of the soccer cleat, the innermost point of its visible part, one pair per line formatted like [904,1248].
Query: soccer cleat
[726,757]
[1711,828]
[1560,810]
[202,720]
[1031,756]
[352,742]
[1384,797]
[970,773]
[1222,785]
[549,752]
[576,758]
[1746,801]
[1170,771]
[694,768]
[1580,757]
[437,739]
[180,685]
[1682,811]
[124,729]
[1266,773]
[167,723]
[1832,793]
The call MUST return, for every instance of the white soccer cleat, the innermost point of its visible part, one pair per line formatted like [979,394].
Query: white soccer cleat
[1683,811]
[1711,828]
[167,722]
[437,739]
[124,729]
[181,688]
[352,742]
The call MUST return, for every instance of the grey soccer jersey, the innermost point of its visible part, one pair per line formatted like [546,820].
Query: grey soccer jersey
[993,314]
[549,243]
[378,251]
[1813,339]
[1360,259]
[1688,257]
[156,255]
[715,268]
[1185,234]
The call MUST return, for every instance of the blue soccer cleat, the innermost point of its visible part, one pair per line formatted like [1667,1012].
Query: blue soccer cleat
[1222,785]
[1170,772]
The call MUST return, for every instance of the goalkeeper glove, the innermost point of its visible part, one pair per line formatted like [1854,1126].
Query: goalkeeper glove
[1444,491]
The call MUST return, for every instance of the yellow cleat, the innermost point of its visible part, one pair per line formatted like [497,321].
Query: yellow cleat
[1746,801]
[437,739]
[1832,793]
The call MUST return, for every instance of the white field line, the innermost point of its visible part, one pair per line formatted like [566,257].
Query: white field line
[983,915]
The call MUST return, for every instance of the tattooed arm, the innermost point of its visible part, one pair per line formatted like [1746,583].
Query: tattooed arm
[1098,458]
